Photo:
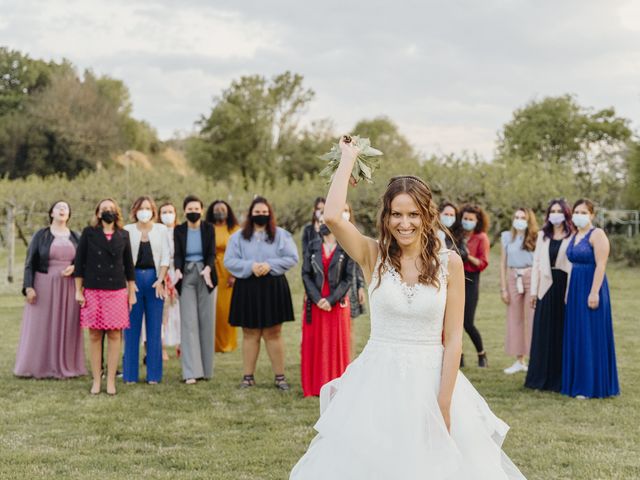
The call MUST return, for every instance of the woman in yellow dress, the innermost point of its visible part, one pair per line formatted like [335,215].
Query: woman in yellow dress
[221,216]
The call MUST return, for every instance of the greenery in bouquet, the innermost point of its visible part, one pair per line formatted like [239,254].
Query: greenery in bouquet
[366,163]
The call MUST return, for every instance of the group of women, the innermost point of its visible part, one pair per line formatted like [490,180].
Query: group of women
[189,284]
[185,284]
[554,285]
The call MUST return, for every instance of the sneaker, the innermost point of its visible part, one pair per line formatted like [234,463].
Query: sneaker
[580,397]
[515,368]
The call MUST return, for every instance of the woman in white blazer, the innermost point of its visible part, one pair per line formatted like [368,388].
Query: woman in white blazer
[549,280]
[151,251]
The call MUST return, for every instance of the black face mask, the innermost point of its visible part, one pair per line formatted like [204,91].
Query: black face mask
[260,220]
[193,217]
[108,216]
[324,230]
[219,216]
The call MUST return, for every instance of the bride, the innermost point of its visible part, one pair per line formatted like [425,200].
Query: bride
[402,410]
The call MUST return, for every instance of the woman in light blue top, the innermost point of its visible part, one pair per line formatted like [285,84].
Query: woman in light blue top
[258,256]
[518,245]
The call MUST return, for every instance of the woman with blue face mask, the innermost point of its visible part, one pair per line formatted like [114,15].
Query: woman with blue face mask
[452,237]
[589,359]
[549,275]
[475,224]
[516,260]
[151,251]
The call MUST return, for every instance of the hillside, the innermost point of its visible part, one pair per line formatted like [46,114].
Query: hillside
[168,158]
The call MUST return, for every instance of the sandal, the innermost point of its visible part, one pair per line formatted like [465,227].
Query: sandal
[280,382]
[247,381]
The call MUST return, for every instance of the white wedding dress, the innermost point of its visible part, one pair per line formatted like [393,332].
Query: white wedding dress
[381,421]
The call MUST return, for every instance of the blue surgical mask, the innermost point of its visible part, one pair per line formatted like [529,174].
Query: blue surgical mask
[581,220]
[469,225]
[447,220]
[520,224]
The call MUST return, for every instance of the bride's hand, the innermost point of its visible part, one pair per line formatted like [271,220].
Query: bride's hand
[348,149]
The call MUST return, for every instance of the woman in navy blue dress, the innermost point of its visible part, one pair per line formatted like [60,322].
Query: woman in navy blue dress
[589,358]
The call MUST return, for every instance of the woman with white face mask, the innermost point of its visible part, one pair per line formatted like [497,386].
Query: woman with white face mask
[171,312]
[549,275]
[589,358]
[516,260]
[150,249]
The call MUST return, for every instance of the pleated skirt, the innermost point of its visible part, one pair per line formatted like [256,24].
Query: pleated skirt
[261,302]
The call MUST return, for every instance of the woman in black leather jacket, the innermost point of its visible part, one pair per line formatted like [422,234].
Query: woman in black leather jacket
[327,274]
[51,340]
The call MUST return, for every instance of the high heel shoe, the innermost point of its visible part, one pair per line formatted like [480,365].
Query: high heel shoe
[483,362]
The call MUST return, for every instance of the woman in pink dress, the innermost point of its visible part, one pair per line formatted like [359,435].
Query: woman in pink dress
[327,273]
[51,339]
[105,288]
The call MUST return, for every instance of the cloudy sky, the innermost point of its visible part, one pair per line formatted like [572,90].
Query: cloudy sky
[448,73]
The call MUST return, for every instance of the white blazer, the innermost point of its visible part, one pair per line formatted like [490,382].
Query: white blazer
[160,244]
[541,278]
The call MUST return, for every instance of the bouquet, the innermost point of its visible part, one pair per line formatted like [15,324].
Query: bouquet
[368,159]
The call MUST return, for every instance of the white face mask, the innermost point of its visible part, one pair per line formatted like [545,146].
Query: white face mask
[556,218]
[519,224]
[581,220]
[346,216]
[168,219]
[447,220]
[144,215]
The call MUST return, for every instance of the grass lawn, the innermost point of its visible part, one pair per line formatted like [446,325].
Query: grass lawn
[213,430]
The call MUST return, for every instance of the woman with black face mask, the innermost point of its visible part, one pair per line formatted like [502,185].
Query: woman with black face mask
[258,256]
[105,288]
[225,223]
[196,279]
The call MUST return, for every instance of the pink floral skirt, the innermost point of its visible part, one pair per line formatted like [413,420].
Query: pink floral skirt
[105,309]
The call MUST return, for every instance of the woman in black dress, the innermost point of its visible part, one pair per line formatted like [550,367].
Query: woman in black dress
[548,287]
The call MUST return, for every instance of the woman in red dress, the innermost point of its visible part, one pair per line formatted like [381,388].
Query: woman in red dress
[327,273]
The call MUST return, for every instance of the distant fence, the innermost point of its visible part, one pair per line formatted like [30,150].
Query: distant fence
[620,222]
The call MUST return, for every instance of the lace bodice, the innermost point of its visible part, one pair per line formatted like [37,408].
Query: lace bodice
[406,314]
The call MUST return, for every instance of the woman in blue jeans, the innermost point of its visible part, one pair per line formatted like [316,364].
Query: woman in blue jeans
[151,255]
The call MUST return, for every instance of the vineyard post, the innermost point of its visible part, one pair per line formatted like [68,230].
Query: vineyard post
[11,241]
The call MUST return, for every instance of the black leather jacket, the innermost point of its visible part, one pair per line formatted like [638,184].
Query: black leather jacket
[340,275]
[38,255]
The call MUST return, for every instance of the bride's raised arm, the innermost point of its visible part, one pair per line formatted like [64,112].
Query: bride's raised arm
[360,248]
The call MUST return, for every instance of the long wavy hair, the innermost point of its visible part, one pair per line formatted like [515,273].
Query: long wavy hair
[531,232]
[567,224]
[247,229]
[390,251]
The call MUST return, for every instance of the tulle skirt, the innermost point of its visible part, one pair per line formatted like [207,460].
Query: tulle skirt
[381,420]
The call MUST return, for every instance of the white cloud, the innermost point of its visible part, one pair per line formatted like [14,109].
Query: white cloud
[449,74]
[86,30]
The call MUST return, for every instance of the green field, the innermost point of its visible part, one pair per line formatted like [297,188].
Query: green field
[213,430]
